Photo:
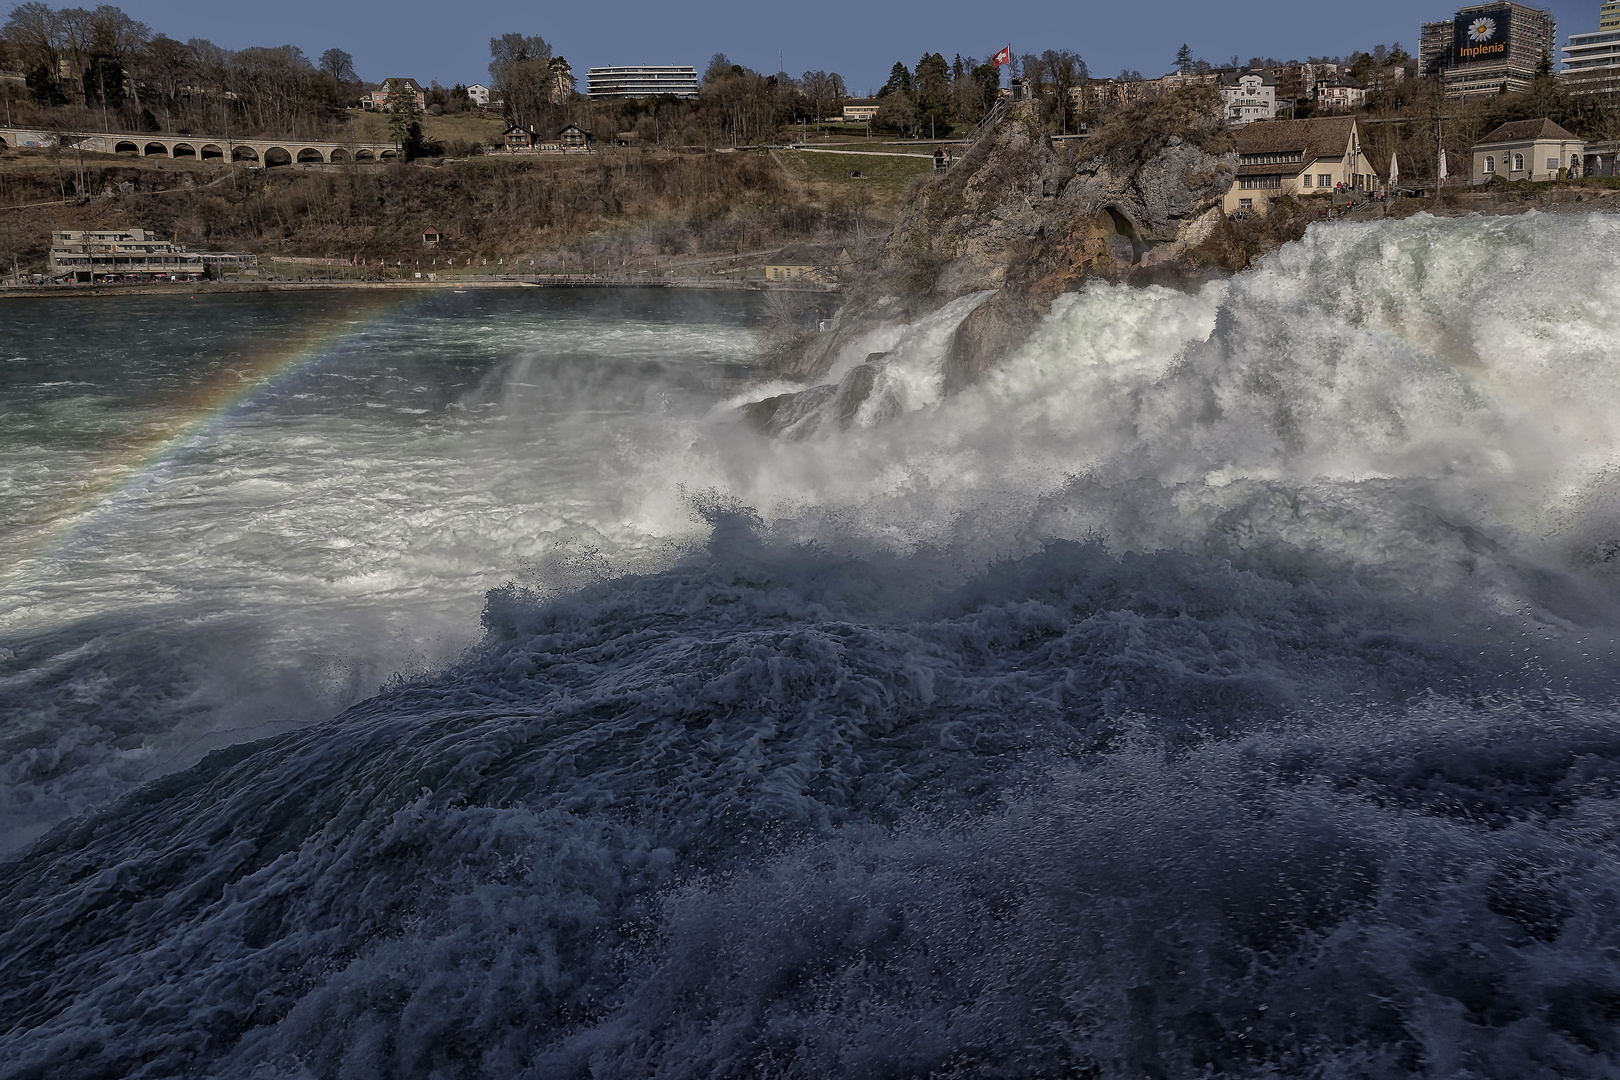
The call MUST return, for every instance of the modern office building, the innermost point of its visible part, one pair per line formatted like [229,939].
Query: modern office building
[1488,47]
[1592,59]
[639,82]
[1434,48]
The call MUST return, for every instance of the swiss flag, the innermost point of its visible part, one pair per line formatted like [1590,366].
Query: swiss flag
[1002,57]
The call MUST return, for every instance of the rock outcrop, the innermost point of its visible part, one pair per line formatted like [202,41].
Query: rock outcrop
[1026,219]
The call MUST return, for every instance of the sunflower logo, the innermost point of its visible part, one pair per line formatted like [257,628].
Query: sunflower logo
[1481,30]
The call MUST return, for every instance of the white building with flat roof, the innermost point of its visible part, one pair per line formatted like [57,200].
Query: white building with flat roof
[641,81]
[860,109]
[1592,59]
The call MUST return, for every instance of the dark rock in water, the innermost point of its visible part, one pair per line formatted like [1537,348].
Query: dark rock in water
[989,332]
[801,415]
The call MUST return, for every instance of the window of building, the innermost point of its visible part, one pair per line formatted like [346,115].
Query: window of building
[1324,180]
[1552,164]
[1307,180]
[1245,204]
[1518,163]
[1574,161]
[1490,163]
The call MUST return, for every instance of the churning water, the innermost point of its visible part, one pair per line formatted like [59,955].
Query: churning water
[1226,685]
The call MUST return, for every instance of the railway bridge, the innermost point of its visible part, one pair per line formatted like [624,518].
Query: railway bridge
[202,147]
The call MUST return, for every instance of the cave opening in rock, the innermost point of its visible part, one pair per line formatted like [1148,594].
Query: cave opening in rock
[1123,241]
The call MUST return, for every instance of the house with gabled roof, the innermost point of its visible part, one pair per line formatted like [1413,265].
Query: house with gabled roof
[815,262]
[1297,157]
[1339,93]
[1528,150]
[378,99]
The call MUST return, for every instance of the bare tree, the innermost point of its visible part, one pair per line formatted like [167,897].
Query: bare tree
[818,87]
[339,65]
[520,68]
[32,33]
[1065,71]
[166,66]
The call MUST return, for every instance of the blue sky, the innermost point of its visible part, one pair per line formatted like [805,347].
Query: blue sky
[858,38]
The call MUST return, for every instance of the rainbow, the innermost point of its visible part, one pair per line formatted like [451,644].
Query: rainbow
[203,412]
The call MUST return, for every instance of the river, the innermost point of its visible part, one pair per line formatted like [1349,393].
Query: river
[452,685]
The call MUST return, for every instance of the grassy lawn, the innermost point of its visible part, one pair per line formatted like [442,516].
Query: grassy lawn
[885,178]
[466,127]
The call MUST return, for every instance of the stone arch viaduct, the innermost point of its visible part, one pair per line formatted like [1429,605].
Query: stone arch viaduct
[203,147]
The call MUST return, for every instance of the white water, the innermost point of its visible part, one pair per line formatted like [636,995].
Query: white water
[1223,686]
[342,527]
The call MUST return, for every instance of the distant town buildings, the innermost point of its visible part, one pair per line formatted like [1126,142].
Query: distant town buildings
[808,262]
[92,255]
[1297,157]
[1297,82]
[1339,93]
[1529,150]
[640,82]
[1248,97]
[860,110]
[378,99]
[572,138]
[1486,48]
[1592,60]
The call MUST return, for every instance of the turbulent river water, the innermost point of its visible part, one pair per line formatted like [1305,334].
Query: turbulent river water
[453,686]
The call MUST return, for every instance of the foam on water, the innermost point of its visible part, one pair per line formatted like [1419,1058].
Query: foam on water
[282,564]
[1224,686]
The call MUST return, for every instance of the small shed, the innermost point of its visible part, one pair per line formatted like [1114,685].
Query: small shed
[430,237]
[574,137]
[517,137]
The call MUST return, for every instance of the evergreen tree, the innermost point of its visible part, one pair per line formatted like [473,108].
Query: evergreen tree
[1184,59]
[899,81]
[933,93]
[403,111]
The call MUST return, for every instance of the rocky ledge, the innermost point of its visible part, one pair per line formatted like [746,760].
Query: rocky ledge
[1021,219]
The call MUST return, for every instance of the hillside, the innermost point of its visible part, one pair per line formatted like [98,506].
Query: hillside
[618,208]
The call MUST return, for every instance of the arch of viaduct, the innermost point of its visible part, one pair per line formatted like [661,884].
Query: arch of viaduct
[267,152]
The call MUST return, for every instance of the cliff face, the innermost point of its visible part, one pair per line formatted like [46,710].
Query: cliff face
[1027,220]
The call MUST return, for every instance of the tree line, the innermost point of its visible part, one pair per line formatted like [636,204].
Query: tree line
[98,67]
